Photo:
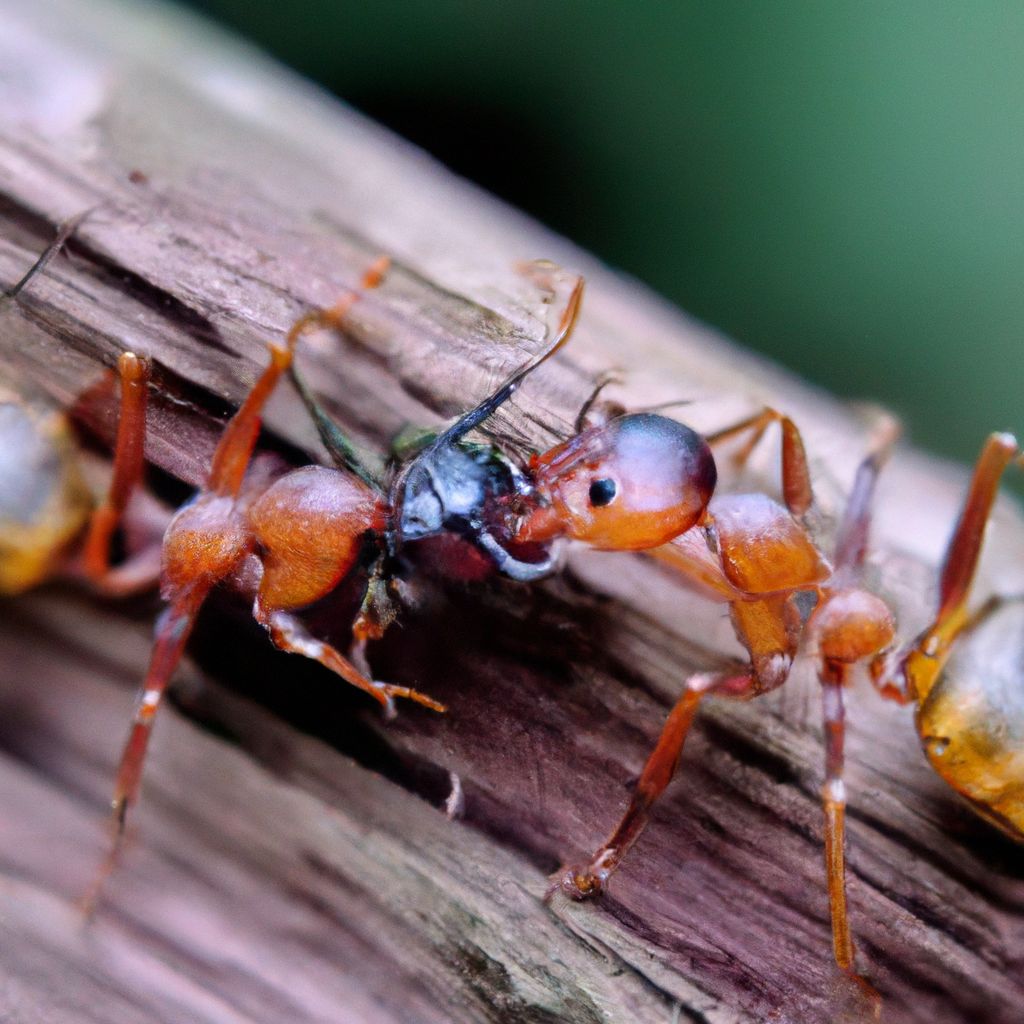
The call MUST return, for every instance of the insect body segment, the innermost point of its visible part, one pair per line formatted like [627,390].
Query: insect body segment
[631,484]
[44,502]
[49,524]
[971,722]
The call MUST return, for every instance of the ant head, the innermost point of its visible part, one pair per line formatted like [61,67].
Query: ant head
[633,483]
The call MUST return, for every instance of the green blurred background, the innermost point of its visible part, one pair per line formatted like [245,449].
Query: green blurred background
[838,185]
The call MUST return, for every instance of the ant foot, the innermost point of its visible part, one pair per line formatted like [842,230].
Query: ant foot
[386,694]
[871,996]
[577,883]
[90,899]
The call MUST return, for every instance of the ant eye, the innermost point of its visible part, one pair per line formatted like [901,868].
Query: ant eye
[602,492]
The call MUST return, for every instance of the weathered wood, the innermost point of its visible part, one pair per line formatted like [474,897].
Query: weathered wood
[294,866]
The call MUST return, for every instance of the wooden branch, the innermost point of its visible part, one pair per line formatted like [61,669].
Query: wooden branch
[293,864]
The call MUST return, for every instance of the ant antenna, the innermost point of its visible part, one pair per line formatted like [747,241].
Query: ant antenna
[64,231]
[342,451]
[611,377]
[475,417]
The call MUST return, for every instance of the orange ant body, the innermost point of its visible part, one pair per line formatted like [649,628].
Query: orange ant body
[635,482]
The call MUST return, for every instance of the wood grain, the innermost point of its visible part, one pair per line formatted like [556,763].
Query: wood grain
[290,860]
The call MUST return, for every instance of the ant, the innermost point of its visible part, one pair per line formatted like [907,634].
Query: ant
[632,482]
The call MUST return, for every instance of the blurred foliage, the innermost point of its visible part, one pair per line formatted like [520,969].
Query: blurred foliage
[837,185]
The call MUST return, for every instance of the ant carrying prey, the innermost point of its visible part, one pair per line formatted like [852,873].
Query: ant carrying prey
[639,482]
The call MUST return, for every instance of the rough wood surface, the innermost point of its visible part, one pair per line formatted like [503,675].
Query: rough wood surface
[290,860]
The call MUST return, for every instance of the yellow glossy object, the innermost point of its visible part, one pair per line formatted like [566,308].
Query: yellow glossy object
[971,721]
[44,503]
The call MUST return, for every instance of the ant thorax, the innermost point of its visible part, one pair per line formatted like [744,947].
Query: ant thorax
[469,490]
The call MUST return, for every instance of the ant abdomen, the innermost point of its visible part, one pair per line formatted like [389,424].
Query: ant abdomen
[971,721]
[309,527]
[630,484]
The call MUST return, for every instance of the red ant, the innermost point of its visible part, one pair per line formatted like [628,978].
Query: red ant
[635,482]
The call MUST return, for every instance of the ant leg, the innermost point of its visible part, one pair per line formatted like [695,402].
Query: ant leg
[203,544]
[289,634]
[128,466]
[333,318]
[613,408]
[965,545]
[234,452]
[911,673]
[172,632]
[796,477]
[690,556]
[341,450]
[581,882]
[833,801]
[852,537]
[376,613]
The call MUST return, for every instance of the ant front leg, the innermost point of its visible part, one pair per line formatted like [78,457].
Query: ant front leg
[309,529]
[376,613]
[582,882]
[289,634]
[796,476]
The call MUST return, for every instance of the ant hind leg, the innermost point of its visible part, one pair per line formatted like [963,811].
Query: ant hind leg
[910,673]
[172,633]
[584,881]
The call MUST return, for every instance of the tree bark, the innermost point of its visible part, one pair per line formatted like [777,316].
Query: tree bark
[290,859]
